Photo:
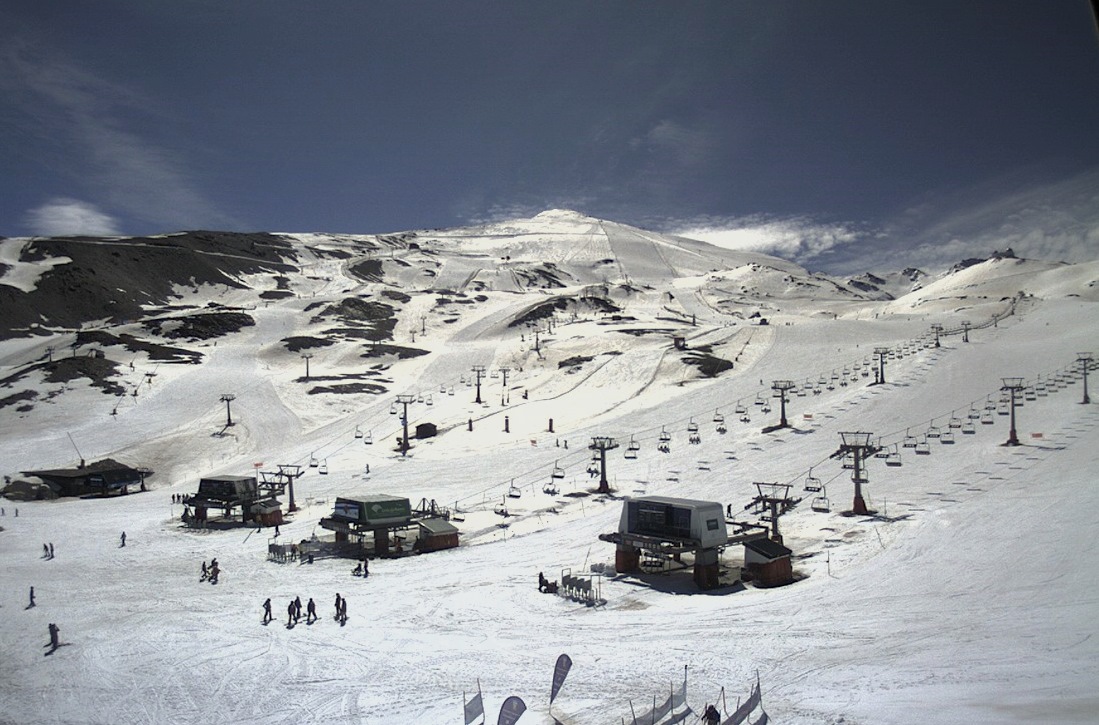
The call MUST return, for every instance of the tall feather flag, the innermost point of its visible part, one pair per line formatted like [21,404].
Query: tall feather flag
[560,672]
[475,708]
[512,709]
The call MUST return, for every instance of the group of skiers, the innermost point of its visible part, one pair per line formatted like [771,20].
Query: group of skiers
[177,498]
[293,611]
[210,573]
[4,513]
[47,550]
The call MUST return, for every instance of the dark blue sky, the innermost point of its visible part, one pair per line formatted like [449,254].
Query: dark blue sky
[827,129]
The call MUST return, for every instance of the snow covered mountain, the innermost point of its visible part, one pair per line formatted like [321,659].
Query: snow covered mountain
[934,610]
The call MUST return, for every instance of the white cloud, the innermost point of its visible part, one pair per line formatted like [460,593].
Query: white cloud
[66,217]
[90,115]
[797,239]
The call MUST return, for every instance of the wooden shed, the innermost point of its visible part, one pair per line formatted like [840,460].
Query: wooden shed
[436,534]
[769,562]
[267,513]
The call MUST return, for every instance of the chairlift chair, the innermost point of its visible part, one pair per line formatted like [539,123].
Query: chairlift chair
[812,483]
[909,440]
[766,408]
[442,388]
[558,472]
[501,509]
[358,432]
[986,418]
[313,462]
[450,390]
[974,414]
[894,457]
[933,431]
[821,504]
[692,427]
[955,422]
[393,409]
[947,438]
[740,409]
[368,439]
[323,469]
[550,489]
[968,428]
[428,400]
[718,417]
[721,429]
[420,398]
[513,491]
[665,436]
[923,448]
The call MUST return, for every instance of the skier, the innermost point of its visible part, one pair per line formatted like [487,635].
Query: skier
[343,611]
[32,599]
[310,612]
[205,572]
[51,549]
[45,551]
[290,614]
[267,611]
[338,600]
[54,630]
[214,571]
[123,538]
[366,568]
[711,716]
[542,582]
[297,608]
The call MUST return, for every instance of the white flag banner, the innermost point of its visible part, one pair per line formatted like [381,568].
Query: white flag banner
[475,708]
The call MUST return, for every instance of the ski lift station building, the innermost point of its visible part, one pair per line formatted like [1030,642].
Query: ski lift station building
[669,527]
[230,492]
[381,516]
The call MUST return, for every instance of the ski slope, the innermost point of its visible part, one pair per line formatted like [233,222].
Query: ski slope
[970,600]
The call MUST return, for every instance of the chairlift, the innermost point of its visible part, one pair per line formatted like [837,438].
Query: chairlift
[759,400]
[835,375]
[550,489]
[429,400]
[501,509]
[909,440]
[812,483]
[894,457]
[986,418]
[974,414]
[323,469]
[718,417]
[692,427]
[947,438]
[1003,410]
[393,409]
[694,439]
[450,390]
[740,409]
[745,418]
[513,491]
[968,428]
[313,462]
[821,504]
[558,472]
[721,429]
[442,389]
[665,436]
[865,373]
[368,439]
[955,422]
[495,374]
[881,452]
[829,387]
[766,408]
[933,431]
[358,432]
[420,398]
[922,449]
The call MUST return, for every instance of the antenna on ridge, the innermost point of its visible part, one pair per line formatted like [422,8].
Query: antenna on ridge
[78,453]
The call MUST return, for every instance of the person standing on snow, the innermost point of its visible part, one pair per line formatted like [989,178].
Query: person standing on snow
[297,609]
[123,538]
[310,612]
[338,600]
[267,611]
[290,614]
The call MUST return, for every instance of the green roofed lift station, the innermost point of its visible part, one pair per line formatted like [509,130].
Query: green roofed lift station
[662,529]
[383,525]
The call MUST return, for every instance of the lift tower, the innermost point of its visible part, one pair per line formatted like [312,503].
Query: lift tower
[881,352]
[405,399]
[857,445]
[479,371]
[602,444]
[781,388]
[1085,363]
[1014,385]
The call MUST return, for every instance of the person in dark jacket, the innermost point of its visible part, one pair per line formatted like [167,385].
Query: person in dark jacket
[297,609]
[290,614]
[310,612]
[267,611]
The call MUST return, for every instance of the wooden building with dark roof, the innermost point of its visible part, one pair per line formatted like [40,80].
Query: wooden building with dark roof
[102,478]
